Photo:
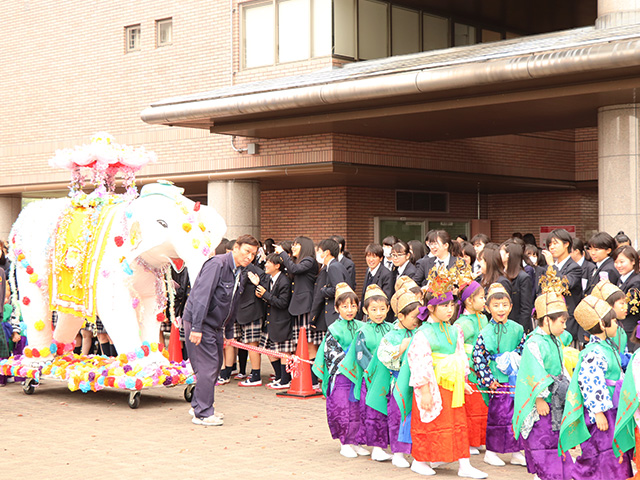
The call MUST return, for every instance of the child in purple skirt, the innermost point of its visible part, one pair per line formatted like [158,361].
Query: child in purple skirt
[343,412]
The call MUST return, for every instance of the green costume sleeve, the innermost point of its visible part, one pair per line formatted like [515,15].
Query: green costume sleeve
[624,433]
[319,367]
[378,381]
[403,393]
[350,367]
[573,430]
[533,378]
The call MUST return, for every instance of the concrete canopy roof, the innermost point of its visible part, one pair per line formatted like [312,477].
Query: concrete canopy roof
[537,83]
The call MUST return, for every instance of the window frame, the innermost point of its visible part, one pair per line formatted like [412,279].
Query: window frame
[162,21]
[276,34]
[127,36]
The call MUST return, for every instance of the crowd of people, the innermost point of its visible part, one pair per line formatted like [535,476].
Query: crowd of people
[452,346]
[448,348]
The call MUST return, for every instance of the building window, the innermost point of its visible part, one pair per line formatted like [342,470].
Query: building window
[419,201]
[435,32]
[164,32]
[463,35]
[132,38]
[373,29]
[279,31]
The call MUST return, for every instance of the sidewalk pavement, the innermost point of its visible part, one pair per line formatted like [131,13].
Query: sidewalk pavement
[56,434]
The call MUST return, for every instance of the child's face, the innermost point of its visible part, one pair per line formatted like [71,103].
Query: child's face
[467,259]
[295,249]
[372,260]
[500,309]
[442,312]
[271,268]
[377,311]
[623,264]
[504,255]
[438,248]
[557,326]
[576,255]
[620,307]
[478,246]
[348,309]
[399,258]
[410,321]
[476,302]
[599,254]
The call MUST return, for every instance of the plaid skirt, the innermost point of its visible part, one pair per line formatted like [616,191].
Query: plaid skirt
[313,335]
[251,332]
[99,326]
[288,346]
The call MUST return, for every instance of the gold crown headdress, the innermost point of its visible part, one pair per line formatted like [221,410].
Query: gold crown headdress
[553,290]
[441,281]
[633,301]
[550,282]
[463,273]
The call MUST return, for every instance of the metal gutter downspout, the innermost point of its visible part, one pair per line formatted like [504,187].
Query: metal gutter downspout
[592,58]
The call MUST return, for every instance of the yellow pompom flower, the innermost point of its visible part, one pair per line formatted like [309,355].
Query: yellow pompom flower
[39,326]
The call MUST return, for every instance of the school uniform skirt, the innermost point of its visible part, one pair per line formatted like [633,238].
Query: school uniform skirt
[288,346]
[313,335]
[248,333]
[444,439]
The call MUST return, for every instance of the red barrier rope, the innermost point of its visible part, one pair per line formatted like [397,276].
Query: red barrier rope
[293,361]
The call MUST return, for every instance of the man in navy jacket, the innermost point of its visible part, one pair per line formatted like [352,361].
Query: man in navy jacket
[210,307]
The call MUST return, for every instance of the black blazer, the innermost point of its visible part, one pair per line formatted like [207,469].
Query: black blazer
[383,278]
[304,279]
[573,273]
[316,314]
[278,320]
[351,270]
[250,308]
[630,321]
[410,271]
[587,270]
[424,266]
[606,267]
[522,300]
[324,297]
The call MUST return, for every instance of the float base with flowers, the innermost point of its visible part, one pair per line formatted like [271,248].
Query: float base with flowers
[108,256]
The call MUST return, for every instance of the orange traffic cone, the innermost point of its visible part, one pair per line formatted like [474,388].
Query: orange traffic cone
[175,349]
[301,385]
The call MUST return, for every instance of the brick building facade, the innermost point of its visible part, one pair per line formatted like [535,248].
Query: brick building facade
[61,87]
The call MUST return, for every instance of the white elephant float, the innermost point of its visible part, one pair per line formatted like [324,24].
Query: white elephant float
[117,262]
[105,255]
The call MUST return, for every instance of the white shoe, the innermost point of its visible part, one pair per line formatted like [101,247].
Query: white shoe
[360,450]
[211,421]
[399,461]
[492,459]
[348,451]
[466,470]
[517,458]
[474,451]
[379,455]
[217,414]
[436,464]
[421,468]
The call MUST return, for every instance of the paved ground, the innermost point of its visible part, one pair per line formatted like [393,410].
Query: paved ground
[55,434]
